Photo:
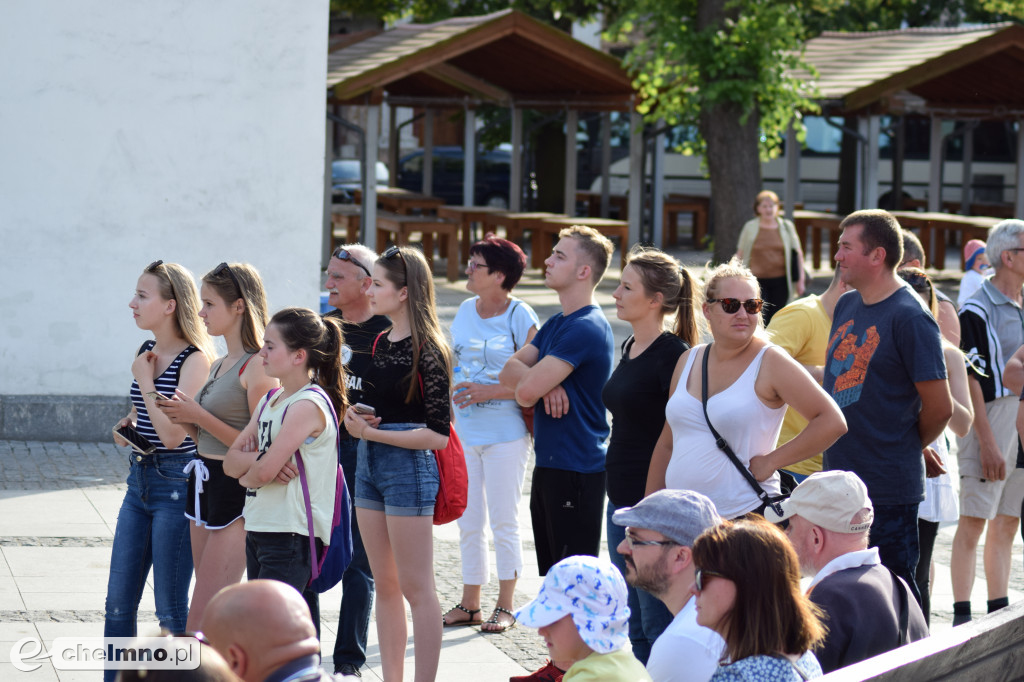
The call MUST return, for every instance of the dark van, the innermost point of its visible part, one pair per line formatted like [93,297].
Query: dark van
[493,169]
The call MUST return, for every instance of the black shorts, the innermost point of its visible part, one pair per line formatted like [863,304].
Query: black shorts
[221,499]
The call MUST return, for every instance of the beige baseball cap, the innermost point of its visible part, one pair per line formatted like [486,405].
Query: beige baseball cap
[830,499]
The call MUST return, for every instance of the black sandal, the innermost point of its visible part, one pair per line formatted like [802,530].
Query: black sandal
[494,620]
[470,621]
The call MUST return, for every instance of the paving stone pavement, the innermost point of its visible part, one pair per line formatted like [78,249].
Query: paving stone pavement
[58,504]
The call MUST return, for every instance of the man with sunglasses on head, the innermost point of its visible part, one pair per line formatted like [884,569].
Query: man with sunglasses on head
[660,530]
[349,274]
[885,369]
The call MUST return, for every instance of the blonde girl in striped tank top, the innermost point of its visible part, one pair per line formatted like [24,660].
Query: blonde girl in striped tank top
[151,527]
[235,308]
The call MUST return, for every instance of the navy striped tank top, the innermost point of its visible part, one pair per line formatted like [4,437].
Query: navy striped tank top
[165,384]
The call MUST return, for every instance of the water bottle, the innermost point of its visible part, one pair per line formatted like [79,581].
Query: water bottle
[459,375]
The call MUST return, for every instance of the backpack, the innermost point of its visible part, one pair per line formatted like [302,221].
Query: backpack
[453,479]
[328,564]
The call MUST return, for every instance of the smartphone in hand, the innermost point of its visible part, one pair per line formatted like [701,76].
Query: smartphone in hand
[157,395]
[138,442]
[360,408]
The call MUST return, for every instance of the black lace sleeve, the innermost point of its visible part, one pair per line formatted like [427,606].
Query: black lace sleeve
[436,392]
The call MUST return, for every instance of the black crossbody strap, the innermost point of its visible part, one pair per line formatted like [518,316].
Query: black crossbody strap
[724,446]
[904,620]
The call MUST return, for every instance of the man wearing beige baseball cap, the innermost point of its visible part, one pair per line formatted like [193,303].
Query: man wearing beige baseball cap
[869,609]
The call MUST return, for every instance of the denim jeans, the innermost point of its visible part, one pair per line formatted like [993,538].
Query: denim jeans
[151,531]
[356,584]
[396,480]
[894,533]
[648,615]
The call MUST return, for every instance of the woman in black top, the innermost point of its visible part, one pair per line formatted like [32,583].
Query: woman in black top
[653,285]
[407,385]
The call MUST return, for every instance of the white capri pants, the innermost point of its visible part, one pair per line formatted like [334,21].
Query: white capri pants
[496,474]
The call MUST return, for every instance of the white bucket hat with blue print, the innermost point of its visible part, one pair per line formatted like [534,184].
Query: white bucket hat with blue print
[593,592]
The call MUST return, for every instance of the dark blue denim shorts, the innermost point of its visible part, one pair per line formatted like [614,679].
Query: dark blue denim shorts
[394,480]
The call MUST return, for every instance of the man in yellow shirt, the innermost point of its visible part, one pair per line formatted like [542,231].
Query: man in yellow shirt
[801,329]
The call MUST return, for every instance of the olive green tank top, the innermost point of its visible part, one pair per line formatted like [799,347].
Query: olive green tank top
[225,398]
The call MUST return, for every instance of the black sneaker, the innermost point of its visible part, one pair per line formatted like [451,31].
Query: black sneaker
[348,671]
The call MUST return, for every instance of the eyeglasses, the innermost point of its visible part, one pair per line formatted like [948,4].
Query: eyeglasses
[698,578]
[151,268]
[474,266]
[732,305]
[634,542]
[224,267]
[345,255]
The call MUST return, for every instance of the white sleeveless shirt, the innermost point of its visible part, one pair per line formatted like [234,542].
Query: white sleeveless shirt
[747,424]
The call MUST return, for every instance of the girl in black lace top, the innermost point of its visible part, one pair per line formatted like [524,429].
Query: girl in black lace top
[407,385]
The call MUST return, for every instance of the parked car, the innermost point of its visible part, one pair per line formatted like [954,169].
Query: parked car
[347,176]
[493,169]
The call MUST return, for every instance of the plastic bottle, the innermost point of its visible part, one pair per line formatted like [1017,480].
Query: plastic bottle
[460,375]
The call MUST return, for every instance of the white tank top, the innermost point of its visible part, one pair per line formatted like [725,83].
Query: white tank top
[747,424]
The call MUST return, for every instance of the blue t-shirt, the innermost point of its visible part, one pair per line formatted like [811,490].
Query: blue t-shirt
[576,441]
[876,353]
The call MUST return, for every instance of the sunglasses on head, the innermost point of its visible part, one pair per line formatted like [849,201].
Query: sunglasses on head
[392,252]
[224,267]
[343,254]
[152,267]
[698,578]
[732,305]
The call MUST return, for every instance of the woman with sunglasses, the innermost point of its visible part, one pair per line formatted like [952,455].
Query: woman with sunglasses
[749,384]
[407,414]
[747,589]
[488,329]
[653,286]
[151,527]
[235,308]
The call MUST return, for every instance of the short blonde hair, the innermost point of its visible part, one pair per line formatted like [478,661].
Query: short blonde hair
[596,247]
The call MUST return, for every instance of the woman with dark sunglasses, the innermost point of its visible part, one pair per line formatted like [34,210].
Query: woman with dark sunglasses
[151,527]
[749,384]
[747,589]
[235,308]
[407,413]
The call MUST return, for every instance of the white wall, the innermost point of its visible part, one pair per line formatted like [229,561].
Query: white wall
[186,130]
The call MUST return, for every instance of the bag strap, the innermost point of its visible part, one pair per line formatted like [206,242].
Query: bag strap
[724,446]
[511,328]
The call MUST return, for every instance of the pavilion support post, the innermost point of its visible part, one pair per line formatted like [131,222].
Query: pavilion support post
[327,228]
[874,129]
[469,156]
[858,190]
[792,186]
[572,122]
[935,163]
[636,176]
[515,182]
[393,146]
[967,177]
[606,162]
[1019,190]
[899,154]
[369,226]
[428,153]
[658,187]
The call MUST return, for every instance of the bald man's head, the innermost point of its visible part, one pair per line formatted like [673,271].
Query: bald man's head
[258,626]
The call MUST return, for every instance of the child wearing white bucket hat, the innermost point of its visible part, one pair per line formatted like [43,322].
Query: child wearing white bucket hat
[582,615]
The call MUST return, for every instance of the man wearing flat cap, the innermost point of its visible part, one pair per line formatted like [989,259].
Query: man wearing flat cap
[660,530]
[869,609]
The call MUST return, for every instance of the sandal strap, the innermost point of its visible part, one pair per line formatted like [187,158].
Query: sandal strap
[493,620]
[462,608]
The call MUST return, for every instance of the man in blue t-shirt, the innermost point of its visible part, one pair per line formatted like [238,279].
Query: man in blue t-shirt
[884,368]
[566,365]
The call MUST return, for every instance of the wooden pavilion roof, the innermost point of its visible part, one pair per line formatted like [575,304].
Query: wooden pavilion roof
[966,71]
[502,58]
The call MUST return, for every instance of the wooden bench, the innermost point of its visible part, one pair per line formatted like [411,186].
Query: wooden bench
[402,226]
[935,229]
[817,223]
[545,237]
[616,202]
[675,204]
[345,224]
[516,224]
[465,217]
